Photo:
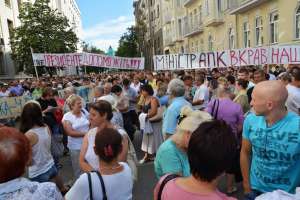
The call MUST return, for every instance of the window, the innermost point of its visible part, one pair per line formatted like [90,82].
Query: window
[192,49]
[246,31]
[191,22]
[258,31]
[10,27]
[200,14]
[210,43]
[19,4]
[180,27]
[195,19]
[196,47]
[219,6]
[231,38]
[206,7]
[298,23]
[7,3]
[274,17]
[2,69]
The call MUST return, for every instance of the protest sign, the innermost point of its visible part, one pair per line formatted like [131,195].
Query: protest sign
[12,106]
[87,59]
[227,58]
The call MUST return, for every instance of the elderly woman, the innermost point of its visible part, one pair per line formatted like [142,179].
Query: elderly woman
[15,154]
[171,156]
[100,116]
[42,167]
[76,125]
[209,154]
[176,90]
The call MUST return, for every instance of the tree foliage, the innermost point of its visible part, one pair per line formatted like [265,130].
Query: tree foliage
[128,46]
[44,30]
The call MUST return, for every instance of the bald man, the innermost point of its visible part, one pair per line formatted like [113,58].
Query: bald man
[271,135]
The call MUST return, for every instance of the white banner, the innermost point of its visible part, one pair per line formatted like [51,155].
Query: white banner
[227,58]
[87,59]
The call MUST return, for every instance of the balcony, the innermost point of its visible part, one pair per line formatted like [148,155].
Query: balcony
[215,20]
[240,6]
[193,28]
[187,3]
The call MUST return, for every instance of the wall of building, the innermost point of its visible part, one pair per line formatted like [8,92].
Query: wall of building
[222,24]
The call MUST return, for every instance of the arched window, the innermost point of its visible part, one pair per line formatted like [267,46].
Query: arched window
[297,20]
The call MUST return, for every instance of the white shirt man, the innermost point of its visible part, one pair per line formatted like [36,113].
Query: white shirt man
[201,97]
[293,101]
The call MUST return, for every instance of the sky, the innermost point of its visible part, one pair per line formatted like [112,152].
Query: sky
[104,21]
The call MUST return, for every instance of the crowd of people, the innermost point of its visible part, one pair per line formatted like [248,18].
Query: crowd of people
[197,126]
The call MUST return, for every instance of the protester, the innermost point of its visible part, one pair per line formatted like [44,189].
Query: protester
[293,88]
[42,167]
[243,73]
[98,92]
[115,177]
[210,152]
[242,98]
[188,83]
[258,76]
[223,108]
[15,155]
[176,92]
[153,138]
[201,96]
[76,125]
[270,138]
[171,156]
[100,116]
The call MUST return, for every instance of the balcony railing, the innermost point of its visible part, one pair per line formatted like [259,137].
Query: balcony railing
[240,6]
[193,27]
[187,3]
[215,20]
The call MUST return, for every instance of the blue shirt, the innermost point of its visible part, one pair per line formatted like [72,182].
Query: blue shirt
[171,160]
[171,115]
[275,153]
[163,101]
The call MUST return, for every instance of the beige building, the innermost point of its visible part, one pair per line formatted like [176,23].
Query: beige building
[208,25]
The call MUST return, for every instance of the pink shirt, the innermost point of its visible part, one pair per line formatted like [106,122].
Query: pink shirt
[175,192]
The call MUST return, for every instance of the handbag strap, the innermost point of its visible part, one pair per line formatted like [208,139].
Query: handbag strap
[90,186]
[102,185]
[164,182]
[215,109]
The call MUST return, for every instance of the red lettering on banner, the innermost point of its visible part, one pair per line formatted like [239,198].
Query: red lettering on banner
[241,59]
[133,63]
[263,56]
[62,60]
[233,58]
[72,61]
[256,58]
[250,54]
[220,59]
[116,62]
[68,60]
[275,54]
[138,64]
[283,54]
[79,59]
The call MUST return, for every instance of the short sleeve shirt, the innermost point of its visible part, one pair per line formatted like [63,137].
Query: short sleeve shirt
[171,160]
[170,118]
[275,152]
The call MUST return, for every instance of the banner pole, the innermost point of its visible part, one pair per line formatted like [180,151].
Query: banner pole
[35,69]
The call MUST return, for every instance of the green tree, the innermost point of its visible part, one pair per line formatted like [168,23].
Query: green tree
[42,29]
[128,45]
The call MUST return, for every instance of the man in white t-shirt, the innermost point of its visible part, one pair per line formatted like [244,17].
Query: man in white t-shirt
[201,96]
[293,101]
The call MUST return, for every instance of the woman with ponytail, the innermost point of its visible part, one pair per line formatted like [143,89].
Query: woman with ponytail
[112,180]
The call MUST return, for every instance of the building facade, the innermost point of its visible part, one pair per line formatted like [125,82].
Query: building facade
[191,26]
[9,12]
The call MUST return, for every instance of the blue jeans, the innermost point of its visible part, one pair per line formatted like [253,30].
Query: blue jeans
[47,176]
[252,195]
